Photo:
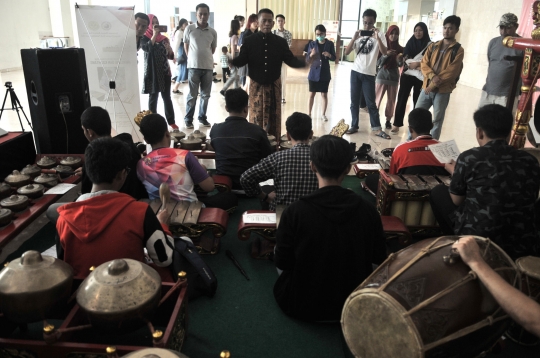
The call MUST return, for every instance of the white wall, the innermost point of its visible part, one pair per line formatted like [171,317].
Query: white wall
[25,21]
[477,29]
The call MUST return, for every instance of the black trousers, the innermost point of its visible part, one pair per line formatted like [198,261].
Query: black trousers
[406,83]
[443,207]
[225,201]
[226,71]
[372,182]
[167,102]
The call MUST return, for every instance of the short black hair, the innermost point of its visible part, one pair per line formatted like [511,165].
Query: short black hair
[224,49]
[370,13]
[454,20]
[265,11]
[143,16]
[104,158]
[495,120]
[421,120]
[321,28]
[331,156]
[202,5]
[97,119]
[153,128]
[280,15]
[236,99]
[298,126]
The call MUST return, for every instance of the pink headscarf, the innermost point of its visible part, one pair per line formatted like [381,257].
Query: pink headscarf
[150,30]
[392,45]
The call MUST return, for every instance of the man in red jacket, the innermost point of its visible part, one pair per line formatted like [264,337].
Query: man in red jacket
[104,224]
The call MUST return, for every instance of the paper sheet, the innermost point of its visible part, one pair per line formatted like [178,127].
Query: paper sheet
[61,188]
[261,218]
[445,152]
[368,166]
[268,182]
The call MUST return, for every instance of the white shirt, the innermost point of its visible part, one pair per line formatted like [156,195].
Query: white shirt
[178,38]
[366,61]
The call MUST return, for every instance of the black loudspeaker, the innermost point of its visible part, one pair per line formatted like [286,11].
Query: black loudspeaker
[57,88]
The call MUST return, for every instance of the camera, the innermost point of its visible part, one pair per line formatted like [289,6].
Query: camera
[8,84]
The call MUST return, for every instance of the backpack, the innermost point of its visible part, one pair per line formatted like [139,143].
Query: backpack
[200,277]
[455,50]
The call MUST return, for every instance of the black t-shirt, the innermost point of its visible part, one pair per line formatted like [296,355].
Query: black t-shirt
[500,185]
[239,145]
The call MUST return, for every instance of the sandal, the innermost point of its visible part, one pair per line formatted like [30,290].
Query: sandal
[383,135]
[395,130]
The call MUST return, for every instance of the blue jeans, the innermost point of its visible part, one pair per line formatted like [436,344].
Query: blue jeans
[439,101]
[198,78]
[364,84]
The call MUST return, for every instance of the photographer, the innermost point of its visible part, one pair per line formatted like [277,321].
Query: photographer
[367,45]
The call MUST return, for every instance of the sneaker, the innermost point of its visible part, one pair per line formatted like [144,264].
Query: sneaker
[324,118]
[222,93]
[204,122]
[388,125]
[189,125]
[174,126]
[351,131]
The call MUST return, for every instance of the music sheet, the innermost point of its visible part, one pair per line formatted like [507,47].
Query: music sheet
[260,218]
[445,152]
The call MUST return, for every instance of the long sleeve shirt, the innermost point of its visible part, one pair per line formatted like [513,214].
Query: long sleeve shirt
[264,54]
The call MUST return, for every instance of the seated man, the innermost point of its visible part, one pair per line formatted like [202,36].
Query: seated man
[96,123]
[104,224]
[327,241]
[413,156]
[290,169]
[177,167]
[493,190]
[238,144]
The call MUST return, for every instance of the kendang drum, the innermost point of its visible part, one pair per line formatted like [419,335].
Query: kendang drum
[529,267]
[423,301]
[407,197]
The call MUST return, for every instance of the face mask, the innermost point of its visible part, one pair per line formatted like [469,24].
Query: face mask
[320,38]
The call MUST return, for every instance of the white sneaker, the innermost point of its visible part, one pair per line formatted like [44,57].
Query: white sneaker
[324,118]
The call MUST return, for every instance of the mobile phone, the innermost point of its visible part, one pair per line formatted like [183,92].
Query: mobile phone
[366,33]
[162,28]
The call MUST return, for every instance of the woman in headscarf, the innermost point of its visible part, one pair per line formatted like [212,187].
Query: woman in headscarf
[412,75]
[181,58]
[157,72]
[388,75]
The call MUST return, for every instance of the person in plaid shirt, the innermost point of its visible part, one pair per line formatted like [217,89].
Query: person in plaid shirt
[290,169]
[287,35]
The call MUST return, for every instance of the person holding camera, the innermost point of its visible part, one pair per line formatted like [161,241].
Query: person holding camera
[181,57]
[157,72]
[367,44]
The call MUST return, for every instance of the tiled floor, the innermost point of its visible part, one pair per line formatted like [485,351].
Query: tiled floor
[458,125]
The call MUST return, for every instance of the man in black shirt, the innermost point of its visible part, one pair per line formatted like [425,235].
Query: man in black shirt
[238,144]
[264,53]
[493,190]
[327,241]
[96,123]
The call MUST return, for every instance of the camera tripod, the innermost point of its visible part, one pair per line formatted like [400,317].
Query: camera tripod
[15,105]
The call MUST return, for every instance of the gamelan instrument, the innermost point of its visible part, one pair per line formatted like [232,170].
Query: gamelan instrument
[407,197]
[529,267]
[46,312]
[423,301]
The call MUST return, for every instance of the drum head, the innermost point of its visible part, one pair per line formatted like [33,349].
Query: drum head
[530,266]
[374,326]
